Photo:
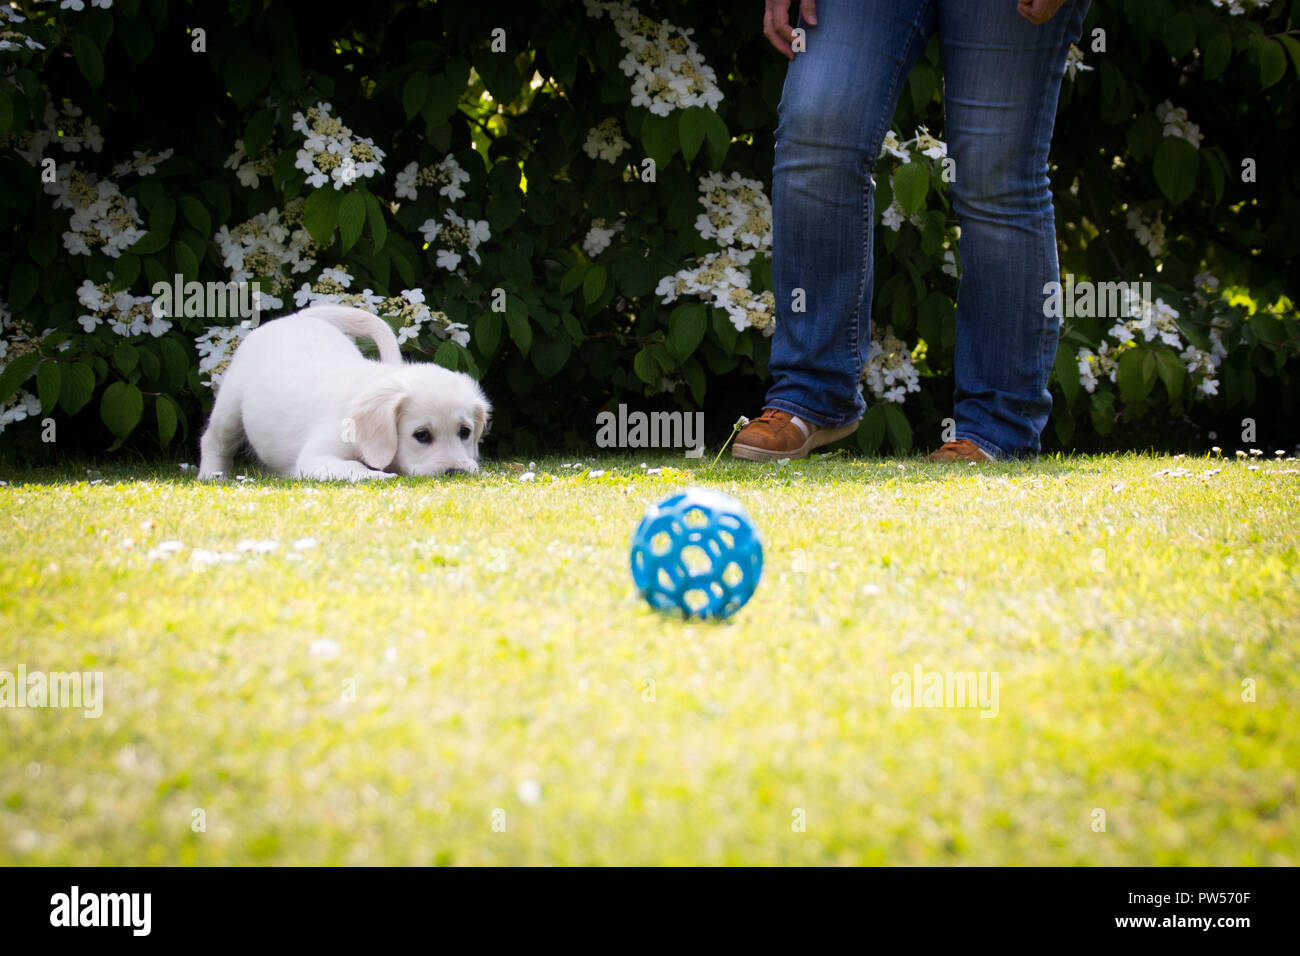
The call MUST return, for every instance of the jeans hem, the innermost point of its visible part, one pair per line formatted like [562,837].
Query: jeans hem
[806,414]
[993,451]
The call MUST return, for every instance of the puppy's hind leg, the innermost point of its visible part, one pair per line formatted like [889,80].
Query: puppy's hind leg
[323,467]
[222,437]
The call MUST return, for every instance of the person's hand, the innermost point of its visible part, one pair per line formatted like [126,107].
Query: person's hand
[1036,12]
[776,23]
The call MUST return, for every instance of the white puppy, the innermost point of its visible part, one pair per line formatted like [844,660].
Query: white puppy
[312,406]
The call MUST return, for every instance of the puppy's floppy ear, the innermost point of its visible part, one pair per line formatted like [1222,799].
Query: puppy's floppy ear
[375,416]
[482,418]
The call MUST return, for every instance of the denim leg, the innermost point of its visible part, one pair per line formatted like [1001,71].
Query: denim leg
[836,107]
[1002,78]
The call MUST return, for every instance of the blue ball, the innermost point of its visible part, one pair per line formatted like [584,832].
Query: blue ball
[697,552]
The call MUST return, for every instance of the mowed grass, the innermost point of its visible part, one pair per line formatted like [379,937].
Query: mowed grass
[459,671]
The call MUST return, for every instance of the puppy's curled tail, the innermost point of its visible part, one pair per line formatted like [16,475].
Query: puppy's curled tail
[360,324]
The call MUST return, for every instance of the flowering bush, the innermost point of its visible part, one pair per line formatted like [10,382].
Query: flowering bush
[571,203]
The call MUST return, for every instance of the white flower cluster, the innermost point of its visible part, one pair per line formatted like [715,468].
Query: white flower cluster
[605,141]
[456,238]
[1238,7]
[67,126]
[19,407]
[249,170]
[12,40]
[331,153]
[126,314]
[447,175]
[142,163]
[410,307]
[101,216]
[600,235]
[15,340]
[668,71]
[264,246]
[1074,62]
[736,212]
[216,347]
[1175,122]
[79,5]
[889,371]
[922,144]
[738,216]
[332,287]
[1151,321]
[1149,232]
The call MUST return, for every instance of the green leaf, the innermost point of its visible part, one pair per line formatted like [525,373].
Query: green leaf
[1066,368]
[1216,56]
[175,361]
[15,373]
[352,218]
[487,332]
[89,60]
[441,102]
[1136,374]
[196,214]
[121,407]
[77,388]
[150,243]
[1272,63]
[659,137]
[517,322]
[1172,372]
[125,358]
[1103,411]
[246,73]
[573,278]
[719,137]
[695,380]
[165,409]
[448,355]
[49,379]
[320,215]
[911,184]
[23,283]
[378,224]
[686,327]
[900,432]
[257,134]
[1179,34]
[691,130]
[646,368]
[549,353]
[1176,164]
[871,433]
[593,284]
[187,263]
[1293,47]
[414,93]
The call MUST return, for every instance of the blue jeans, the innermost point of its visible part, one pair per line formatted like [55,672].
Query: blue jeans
[1002,78]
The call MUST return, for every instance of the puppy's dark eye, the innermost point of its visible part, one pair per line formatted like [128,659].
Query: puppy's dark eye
[423,436]
[464,433]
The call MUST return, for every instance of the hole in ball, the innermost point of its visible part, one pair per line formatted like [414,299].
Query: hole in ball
[732,575]
[696,599]
[660,543]
[696,560]
[695,518]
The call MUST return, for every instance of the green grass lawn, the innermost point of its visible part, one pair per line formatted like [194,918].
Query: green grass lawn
[459,670]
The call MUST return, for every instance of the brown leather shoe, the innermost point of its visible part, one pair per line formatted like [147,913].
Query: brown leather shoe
[959,450]
[776,434]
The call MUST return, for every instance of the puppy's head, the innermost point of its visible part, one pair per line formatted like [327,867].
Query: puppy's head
[421,420]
